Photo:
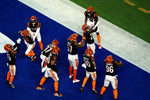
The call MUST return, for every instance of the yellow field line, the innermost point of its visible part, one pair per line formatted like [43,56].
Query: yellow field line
[143,10]
[129,3]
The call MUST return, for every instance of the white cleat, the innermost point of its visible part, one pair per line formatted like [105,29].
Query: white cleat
[76,81]
[70,76]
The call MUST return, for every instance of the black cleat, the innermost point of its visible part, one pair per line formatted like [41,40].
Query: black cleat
[33,58]
[100,96]
[11,86]
[82,89]
[94,92]
[7,82]
[57,94]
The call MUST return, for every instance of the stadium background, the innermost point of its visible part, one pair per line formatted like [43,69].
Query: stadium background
[133,81]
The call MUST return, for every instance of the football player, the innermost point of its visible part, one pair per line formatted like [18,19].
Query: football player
[73,55]
[91,19]
[51,71]
[30,43]
[45,54]
[90,67]
[11,51]
[34,29]
[110,77]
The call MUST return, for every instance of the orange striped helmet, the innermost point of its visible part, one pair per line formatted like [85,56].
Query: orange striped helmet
[109,59]
[33,18]
[8,47]
[89,51]
[84,26]
[25,33]
[73,37]
[90,9]
[55,42]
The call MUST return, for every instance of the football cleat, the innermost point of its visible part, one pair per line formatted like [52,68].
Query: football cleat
[76,81]
[100,47]
[70,76]
[82,89]
[94,92]
[58,94]
[11,86]
[40,88]
[7,82]
[33,58]
[100,96]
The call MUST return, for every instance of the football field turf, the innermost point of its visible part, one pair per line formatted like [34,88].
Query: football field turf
[123,14]
[133,82]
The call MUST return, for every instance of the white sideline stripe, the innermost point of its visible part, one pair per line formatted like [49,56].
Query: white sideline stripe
[113,38]
[4,40]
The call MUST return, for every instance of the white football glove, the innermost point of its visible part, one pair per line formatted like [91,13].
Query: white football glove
[43,69]
[83,65]
[18,40]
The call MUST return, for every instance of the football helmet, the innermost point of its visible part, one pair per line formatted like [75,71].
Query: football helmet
[8,47]
[25,33]
[84,27]
[90,9]
[73,37]
[89,51]
[109,59]
[55,42]
[55,50]
[33,19]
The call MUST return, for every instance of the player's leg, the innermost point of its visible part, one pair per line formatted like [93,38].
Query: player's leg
[75,65]
[71,66]
[94,76]
[84,81]
[56,82]
[114,84]
[106,84]
[39,40]
[12,74]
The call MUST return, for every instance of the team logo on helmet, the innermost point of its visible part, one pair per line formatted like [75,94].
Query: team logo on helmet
[90,9]
[8,47]
[109,59]
[25,33]
[33,19]
[89,51]
[55,42]
[73,37]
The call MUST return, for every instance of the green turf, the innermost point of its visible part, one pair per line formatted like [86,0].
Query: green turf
[123,15]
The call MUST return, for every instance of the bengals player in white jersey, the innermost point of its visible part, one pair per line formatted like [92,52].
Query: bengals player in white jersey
[11,51]
[34,29]
[110,77]
[51,70]
[73,55]
[30,43]
[91,20]
[90,67]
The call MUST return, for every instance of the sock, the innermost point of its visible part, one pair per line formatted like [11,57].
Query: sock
[70,70]
[11,79]
[8,75]
[115,92]
[42,81]
[41,45]
[84,81]
[56,85]
[93,84]
[103,90]
[98,38]
[74,74]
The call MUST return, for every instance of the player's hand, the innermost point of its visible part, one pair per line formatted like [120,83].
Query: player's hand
[43,69]
[18,40]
